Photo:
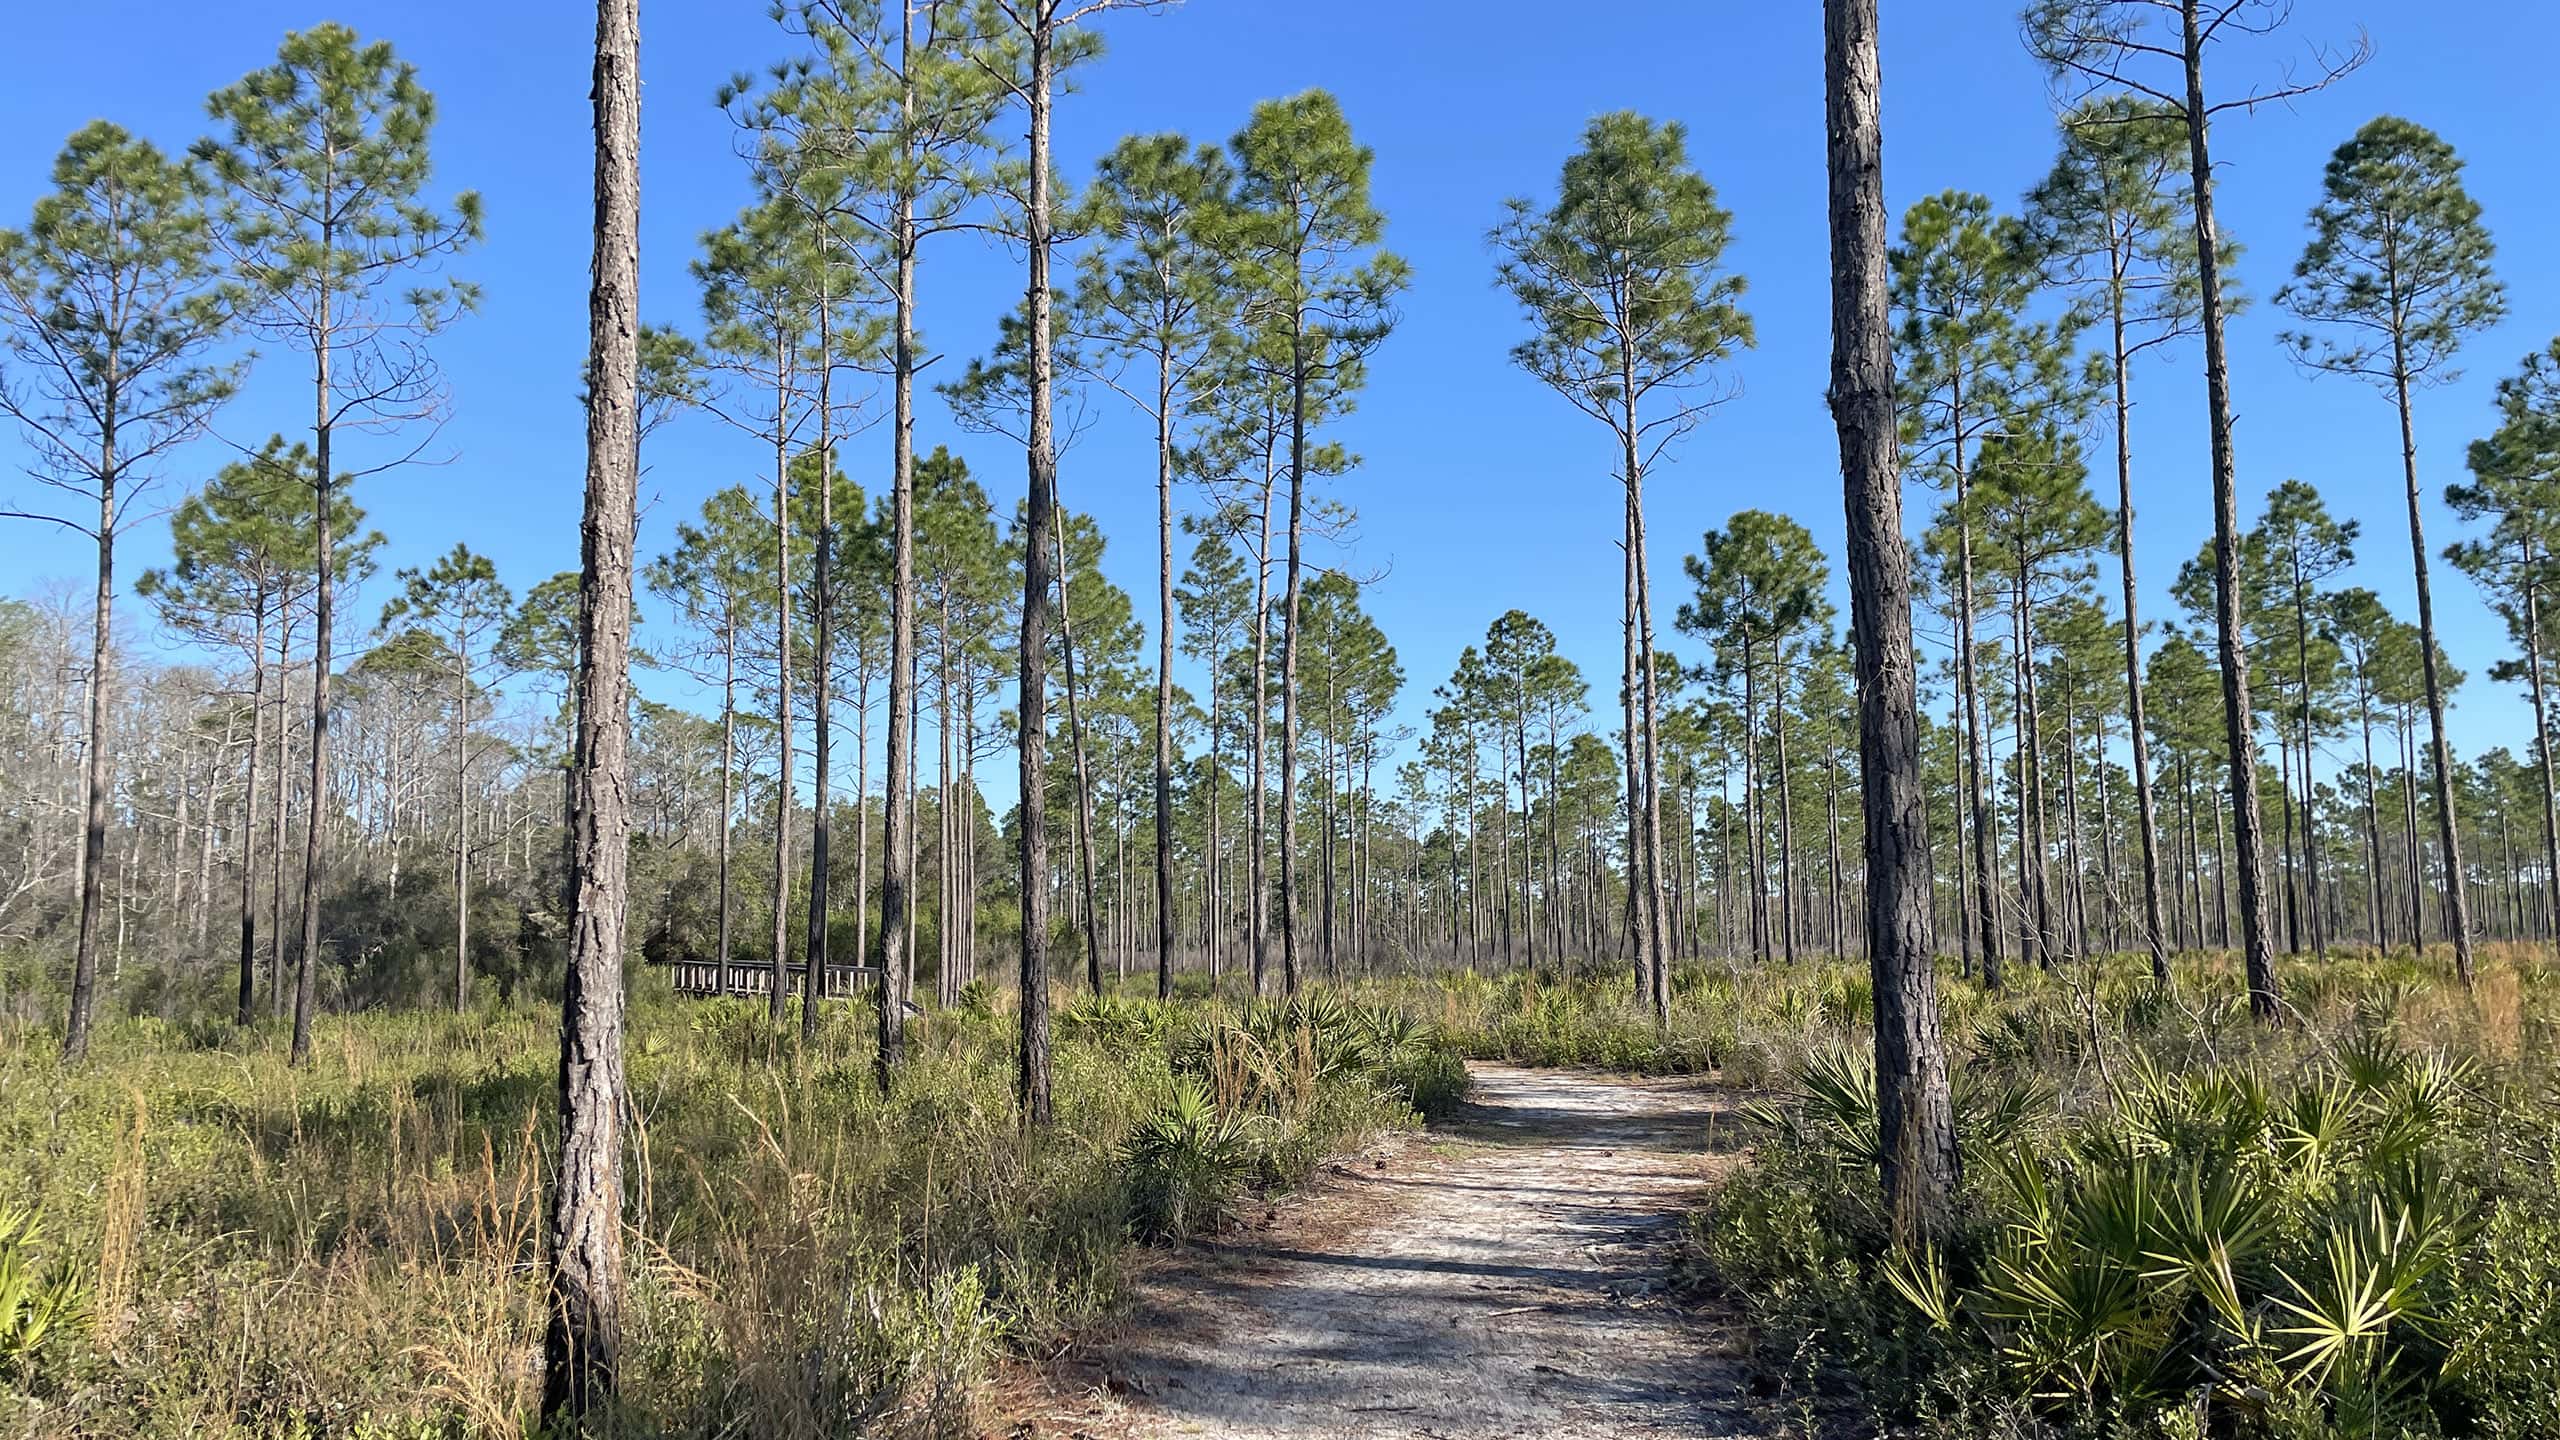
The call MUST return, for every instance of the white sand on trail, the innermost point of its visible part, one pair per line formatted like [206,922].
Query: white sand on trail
[1499,1278]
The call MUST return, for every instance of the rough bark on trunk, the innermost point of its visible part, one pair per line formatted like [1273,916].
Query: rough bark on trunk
[2249,841]
[897,823]
[1031,1071]
[1918,1144]
[582,1339]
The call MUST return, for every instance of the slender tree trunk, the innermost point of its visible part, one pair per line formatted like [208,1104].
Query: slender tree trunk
[1259,864]
[2310,819]
[462,827]
[822,702]
[778,992]
[1918,1144]
[2541,738]
[582,1341]
[1786,808]
[1986,863]
[728,771]
[93,757]
[1084,779]
[1031,1076]
[323,617]
[2238,719]
[1640,953]
[2456,899]
[897,820]
[1164,676]
[1299,362]
[2154,927]
[283,803]
[247,1008]
[1647,737]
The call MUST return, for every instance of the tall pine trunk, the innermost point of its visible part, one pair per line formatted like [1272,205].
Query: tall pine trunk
[1918,1144]
[2457,900]
[2155,928]
[1031,1070]
[2249,840]
[582,1339]
[897,821]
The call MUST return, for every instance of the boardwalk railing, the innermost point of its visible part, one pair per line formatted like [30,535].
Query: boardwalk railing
[701,978]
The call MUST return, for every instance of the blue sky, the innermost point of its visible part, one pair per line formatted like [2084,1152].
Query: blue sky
[1479,491]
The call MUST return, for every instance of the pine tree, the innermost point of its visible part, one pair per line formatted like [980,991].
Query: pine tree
[109,301]
[1320,292]
[759,312]
[1157,298]
[582,1340]
[1217,606]
[1758,588]
[459,604]
[2395,277]
[2512,473]
[718,576]
[1917,1146]
[2114,217]
[2155,50]
[902,108]
[2304,546]
[322,163]
[2031,506]
[1970,366]
[241,564]
[1635,315]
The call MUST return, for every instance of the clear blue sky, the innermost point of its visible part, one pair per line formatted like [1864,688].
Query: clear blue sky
[1479,490]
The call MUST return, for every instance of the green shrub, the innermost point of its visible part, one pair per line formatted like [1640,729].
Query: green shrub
[1185,1164]
[34,1309]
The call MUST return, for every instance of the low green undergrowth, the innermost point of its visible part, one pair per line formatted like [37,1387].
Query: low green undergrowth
[230,1247]
[2173,1222]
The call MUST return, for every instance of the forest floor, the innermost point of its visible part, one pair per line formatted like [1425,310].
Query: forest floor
[1505,1273]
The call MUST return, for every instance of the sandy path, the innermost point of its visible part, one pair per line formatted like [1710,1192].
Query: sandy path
[1499,1277]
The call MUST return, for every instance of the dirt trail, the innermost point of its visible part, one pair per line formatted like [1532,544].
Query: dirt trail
[1499,1277]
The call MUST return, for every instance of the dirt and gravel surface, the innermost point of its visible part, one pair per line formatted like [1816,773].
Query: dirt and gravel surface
[1503,1275]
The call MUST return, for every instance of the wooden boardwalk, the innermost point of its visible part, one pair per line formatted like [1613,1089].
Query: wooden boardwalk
[702,979]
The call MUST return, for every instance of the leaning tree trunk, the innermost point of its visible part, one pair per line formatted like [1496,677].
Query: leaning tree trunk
[1918,1143]
[2249,839]
[582,1340]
